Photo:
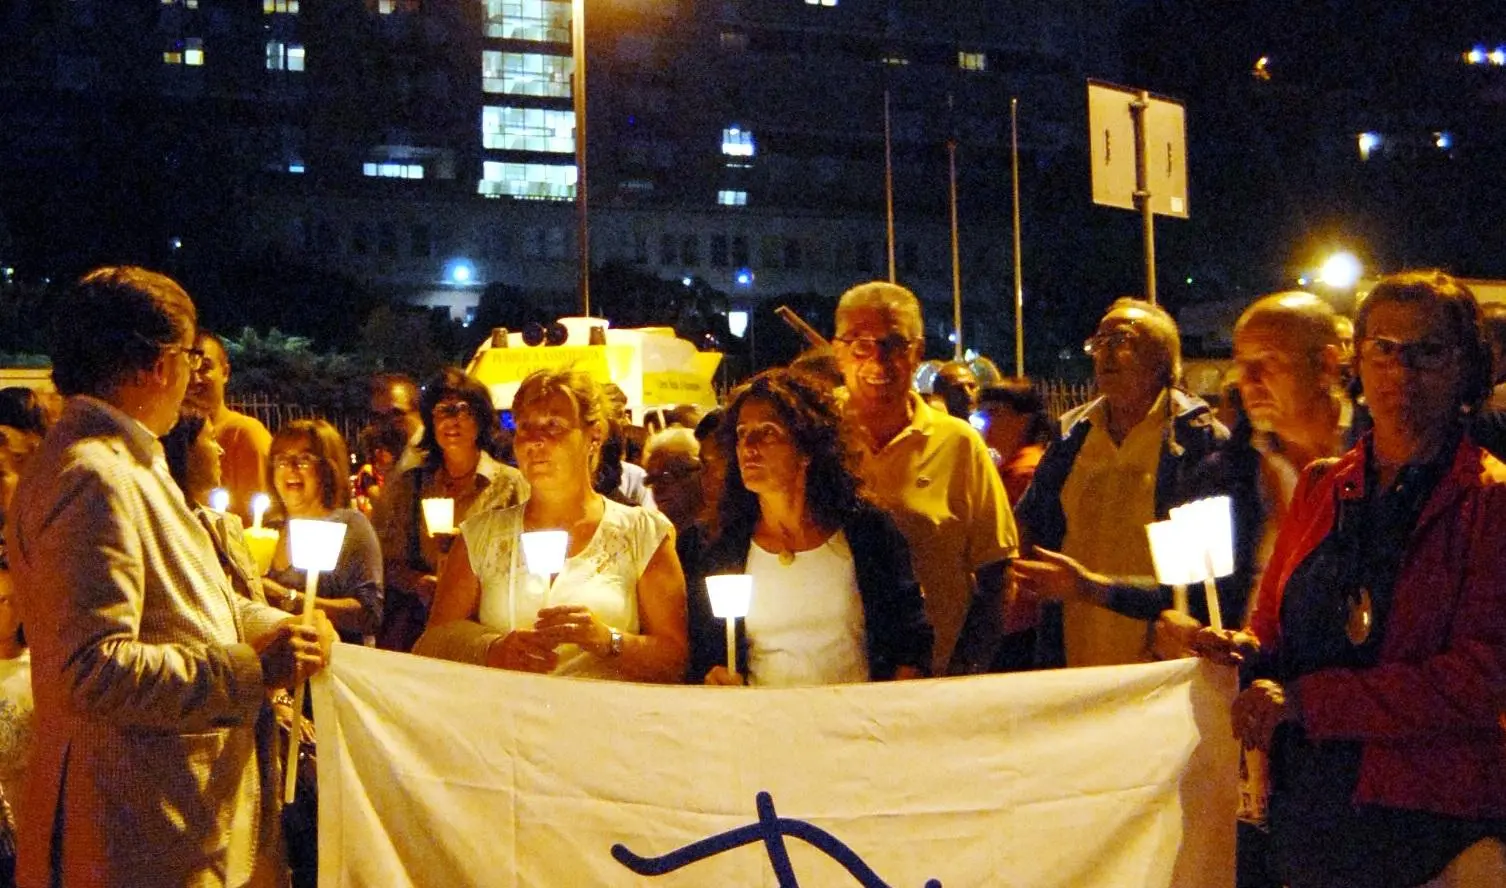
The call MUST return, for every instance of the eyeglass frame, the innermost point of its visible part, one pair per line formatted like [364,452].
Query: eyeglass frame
[866,347]
[196,356]
[454,410]
[1406,353]
[302,461]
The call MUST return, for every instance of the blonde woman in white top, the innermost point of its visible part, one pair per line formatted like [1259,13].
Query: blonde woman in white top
[617,608]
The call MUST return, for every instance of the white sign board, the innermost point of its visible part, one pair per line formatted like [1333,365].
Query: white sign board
[434,773]
[1111,131]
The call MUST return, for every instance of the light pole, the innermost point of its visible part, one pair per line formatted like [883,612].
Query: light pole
[578,93]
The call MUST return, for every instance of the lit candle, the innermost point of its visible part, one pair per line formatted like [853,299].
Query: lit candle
[259,505]
[313,546]
[219,499]
[731,595]
[439,515]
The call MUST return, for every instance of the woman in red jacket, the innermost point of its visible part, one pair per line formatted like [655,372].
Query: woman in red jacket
[1378,645]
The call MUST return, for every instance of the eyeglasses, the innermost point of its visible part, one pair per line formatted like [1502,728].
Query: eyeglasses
[761,434]
[299,461]
[456,410]
[550,428]
[1420,354]
[865,347]
[673,473]
[195,356]
[1114,340]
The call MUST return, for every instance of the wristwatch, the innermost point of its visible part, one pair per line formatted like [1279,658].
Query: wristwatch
[614,647]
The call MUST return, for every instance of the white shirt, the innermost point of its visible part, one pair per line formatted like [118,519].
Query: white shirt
[805,623]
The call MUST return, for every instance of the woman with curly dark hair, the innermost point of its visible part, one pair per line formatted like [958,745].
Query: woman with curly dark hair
[834,596]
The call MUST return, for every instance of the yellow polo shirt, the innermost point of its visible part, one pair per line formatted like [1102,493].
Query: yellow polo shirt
[1107,500]
[935,479]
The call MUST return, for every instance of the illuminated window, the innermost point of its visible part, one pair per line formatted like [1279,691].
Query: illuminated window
[1369,144]
[271,7]
[972,61]
[186,4]
[526,74]
[528,129]
[895,58]
[820,2]
[393,170]
[546,21]
[732,198]
[188,51]
[534,181]
[737,142]
[284,56]
[388,7]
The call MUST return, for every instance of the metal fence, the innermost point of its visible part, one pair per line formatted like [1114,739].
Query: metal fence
[273,414]
[1063,396]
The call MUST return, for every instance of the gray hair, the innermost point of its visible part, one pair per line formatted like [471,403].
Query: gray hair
[671,437]
[898,302]
[1163,328]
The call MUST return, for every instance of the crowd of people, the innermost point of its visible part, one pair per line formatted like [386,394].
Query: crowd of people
[888,535]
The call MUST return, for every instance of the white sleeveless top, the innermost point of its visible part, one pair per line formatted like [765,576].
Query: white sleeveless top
[805,622]
[603,576]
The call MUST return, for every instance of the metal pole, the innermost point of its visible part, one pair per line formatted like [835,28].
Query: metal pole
[582,235]
[1019,281]
[951,155]
[1138,110]
[889,186]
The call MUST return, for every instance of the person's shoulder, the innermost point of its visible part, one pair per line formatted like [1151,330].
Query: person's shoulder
[242,425]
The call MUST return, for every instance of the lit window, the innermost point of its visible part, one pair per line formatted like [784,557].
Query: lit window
[186,4]
[732,198]
[820,2]
[526,74]
[737,142]
[528,129]
[1497,56]
[284,56]
[393,170]
[189,51]
[894,58]
[1444,140]
[1369,144]
[1475,56]
[388,7]
[546,21]
[271,7]
[972,61]
[295,168]
[532,181]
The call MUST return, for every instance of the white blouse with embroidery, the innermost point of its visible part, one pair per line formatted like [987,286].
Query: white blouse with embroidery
[603,576]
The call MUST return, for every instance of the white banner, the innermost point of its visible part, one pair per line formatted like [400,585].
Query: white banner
[437,774]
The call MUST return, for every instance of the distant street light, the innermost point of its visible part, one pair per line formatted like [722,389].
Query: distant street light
[1340,271]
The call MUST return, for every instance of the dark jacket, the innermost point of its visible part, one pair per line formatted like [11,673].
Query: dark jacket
[893,610]
[1192,436]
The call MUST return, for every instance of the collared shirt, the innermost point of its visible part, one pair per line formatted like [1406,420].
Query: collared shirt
[1108,499]
[936,480]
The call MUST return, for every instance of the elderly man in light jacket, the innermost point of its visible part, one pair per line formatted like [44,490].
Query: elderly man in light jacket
[149,672]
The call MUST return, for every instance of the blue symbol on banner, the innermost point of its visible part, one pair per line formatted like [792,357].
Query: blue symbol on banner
[771,830]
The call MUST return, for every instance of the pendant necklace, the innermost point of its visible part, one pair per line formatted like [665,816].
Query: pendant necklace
[1361,617]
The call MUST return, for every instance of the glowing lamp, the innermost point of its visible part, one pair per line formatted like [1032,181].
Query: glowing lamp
[544,551]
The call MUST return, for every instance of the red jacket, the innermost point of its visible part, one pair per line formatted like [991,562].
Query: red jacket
[1428,714]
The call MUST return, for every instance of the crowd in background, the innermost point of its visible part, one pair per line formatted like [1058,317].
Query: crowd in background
[890,535]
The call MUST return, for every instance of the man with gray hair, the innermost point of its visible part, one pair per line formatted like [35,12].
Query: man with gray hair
[1122,461]
[930,471]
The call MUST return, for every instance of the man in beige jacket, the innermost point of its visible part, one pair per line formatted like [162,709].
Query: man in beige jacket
[148,671]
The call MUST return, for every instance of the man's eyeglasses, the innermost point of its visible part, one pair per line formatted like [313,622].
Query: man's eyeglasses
[195,356]
[299,461]
[1420,354]
[457,410]
[1102,343]
[865,347]
[673,473]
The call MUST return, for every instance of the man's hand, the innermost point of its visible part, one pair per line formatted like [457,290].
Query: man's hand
[1227,647]
[1052,575]
[1259,709]
[292,652]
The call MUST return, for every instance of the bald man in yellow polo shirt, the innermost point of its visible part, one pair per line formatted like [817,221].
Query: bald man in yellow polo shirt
[930,471]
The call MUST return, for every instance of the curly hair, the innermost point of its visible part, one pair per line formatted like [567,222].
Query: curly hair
[452,382]
[809,411]
[324,442]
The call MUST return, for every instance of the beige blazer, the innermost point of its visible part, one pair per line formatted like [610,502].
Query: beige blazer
[147,769]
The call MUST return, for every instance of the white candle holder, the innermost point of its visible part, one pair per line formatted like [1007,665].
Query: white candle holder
[439,515]
[313,547]
[1195,546]
[731,595]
